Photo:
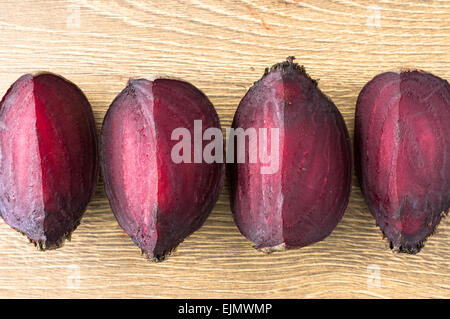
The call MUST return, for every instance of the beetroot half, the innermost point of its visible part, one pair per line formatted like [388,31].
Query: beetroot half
[157,201]
[402,141]
[48,157]
[303,201]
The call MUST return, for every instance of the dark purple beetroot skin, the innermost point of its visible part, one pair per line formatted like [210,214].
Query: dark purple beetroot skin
[48,157]
[402,141]
[304,200]
[156,201]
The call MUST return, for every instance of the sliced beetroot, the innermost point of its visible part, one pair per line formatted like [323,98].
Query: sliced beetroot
[402,140]
[48,157]
[303,201]
[157,201]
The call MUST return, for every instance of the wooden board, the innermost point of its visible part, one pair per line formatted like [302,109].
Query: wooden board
[222,47]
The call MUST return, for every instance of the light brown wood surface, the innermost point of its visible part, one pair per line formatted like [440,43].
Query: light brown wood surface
[222,47]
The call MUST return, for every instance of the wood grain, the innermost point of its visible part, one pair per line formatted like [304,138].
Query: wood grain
[222,47]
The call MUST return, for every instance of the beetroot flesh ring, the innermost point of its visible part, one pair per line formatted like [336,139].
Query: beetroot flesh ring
[156,201]
[402,152]
[48,158]
[304,200]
